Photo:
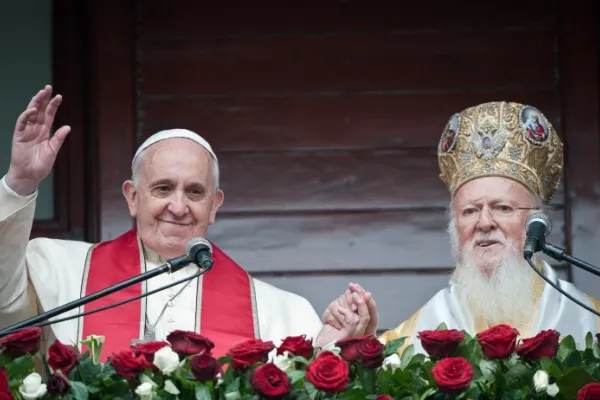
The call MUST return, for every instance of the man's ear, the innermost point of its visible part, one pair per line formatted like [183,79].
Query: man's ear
[130,194]
[217,202]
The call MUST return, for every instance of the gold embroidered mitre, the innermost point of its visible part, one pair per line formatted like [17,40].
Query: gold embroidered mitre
[504,139]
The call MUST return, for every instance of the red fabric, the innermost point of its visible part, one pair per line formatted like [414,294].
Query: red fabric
[226,314]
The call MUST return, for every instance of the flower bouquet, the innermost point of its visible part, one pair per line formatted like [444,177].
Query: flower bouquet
[495,364]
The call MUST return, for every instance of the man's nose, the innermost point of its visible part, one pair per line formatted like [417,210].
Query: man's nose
[486,221]
[178,205]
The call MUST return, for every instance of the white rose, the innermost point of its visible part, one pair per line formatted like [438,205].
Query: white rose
[166,360]
[541,381]
[284,363]
[32,386]
[171,388]
[392,362]
[552,390]
[145,391]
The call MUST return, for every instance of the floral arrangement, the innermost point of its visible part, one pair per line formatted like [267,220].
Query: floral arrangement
[495,364]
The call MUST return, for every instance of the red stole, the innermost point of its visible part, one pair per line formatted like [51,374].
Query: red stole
[226,309]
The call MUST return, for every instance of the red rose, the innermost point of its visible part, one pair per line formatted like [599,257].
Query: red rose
[189,343]
[453,375]
[6,396]
[498,342]
[58,385]
[297,346]
[61,357]
[441,343]
[4,386]
[348,350]
[127,364]
[328,372]
[270,381]
[148,349]
[25,341]
[370,353]
[591,391]
[204,367]
[384,397]
[544,344]
[250,352]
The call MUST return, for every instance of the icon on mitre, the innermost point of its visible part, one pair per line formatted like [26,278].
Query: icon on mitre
[534,125]
[449,135]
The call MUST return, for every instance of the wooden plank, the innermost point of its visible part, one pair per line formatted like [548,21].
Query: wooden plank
[398,295]
[580,98]
[334,121]
[112,101]
[190,17]
[420,61]
[342,241]
[357,180]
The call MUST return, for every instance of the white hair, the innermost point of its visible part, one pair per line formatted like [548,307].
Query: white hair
[139,160]
[503,295]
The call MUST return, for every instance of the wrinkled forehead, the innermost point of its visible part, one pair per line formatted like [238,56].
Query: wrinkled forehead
[176,160]
[178,147]
[493,189]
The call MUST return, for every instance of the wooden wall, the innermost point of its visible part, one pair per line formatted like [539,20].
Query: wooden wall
[326,115]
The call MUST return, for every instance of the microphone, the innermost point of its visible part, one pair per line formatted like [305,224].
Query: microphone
[198,252]
[538,226]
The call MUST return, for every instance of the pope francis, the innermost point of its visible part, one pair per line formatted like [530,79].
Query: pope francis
[499,169]
[174,196]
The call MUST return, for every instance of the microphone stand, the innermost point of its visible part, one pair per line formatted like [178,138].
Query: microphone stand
[560,254]
[172,265]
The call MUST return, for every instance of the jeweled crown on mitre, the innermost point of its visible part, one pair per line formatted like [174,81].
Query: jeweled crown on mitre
[504,139]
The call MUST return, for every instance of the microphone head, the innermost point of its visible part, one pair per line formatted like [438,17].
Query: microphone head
[197,244]
[540,218]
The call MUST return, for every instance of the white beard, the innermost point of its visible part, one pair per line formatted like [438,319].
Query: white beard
[502,295]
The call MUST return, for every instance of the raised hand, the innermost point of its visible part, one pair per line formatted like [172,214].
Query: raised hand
[352,324]
[350,301]
[34,151]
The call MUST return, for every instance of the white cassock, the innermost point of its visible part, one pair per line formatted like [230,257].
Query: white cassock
[41,274]
[553,311]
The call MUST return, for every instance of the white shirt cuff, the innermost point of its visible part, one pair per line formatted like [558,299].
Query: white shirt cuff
[13,193]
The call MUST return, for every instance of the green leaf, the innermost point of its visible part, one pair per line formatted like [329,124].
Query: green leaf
[518,371]
[233,386]
[488,368]
[441,327]
[570,383]
[566,347]
[5,359]
[392,346]
[20,367]
[79,390]
[596,350]
[551,368]
[407,354]
[574,359]
[298,359]
[89,371]
[312,391]
[428,393]
[589,340]
[295,376]
[202,392]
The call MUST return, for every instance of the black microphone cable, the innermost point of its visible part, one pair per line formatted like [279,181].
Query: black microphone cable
[555,286]
[43,324]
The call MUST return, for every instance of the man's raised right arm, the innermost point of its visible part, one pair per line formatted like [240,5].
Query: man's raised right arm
[33,154]
[16,219]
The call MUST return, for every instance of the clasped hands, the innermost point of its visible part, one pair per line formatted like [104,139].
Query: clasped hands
[352,314]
